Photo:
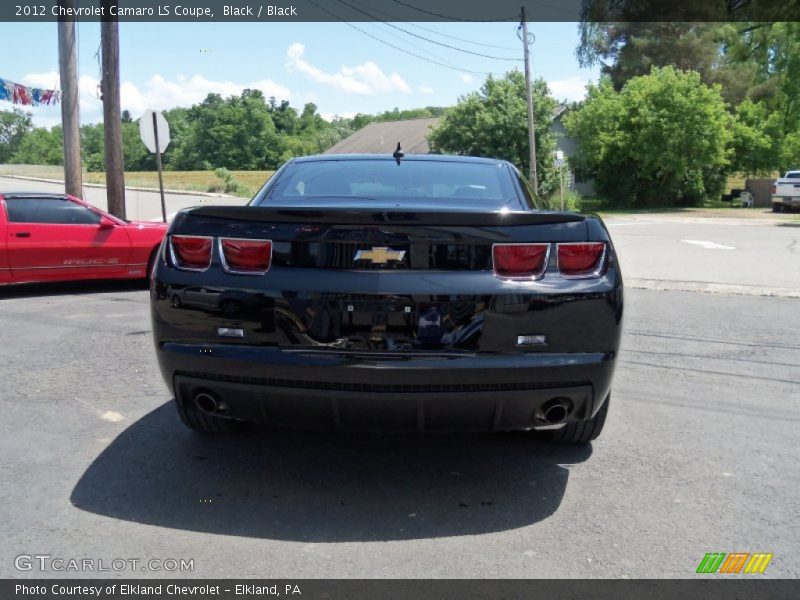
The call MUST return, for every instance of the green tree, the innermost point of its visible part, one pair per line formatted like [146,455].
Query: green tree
[773,51]
[629,49]
[662,140]
[493,122]
[92,145]
[757,139]
[284,117]
[235,133]
[41,146]
[14,126]
[134,153]
[790,152]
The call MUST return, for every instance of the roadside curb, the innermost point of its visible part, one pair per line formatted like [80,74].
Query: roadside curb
[727,289]
[132,188]
[676,218]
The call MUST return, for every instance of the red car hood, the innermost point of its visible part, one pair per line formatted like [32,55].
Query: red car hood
[147,225]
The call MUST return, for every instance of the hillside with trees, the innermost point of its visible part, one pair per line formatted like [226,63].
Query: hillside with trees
[244,132]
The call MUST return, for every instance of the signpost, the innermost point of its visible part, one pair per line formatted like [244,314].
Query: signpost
[559,159]
[154,131]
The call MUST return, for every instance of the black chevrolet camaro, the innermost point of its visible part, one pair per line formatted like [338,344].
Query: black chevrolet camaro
[389,293]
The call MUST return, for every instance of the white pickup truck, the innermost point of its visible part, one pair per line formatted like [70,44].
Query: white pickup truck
[786,192]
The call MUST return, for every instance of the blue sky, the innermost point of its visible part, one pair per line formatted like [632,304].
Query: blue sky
[340,69]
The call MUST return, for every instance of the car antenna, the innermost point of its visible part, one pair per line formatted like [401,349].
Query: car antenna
[398,154]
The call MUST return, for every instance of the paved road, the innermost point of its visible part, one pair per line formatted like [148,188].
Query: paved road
[699,454]
[743,256]
[140,205]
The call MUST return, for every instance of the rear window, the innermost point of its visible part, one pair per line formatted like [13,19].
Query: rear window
[439,182]
[793,175]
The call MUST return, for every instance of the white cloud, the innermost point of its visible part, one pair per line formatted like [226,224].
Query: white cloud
[466,77]
[365,79]
[160,93]
[157,92]
[571,89]
[424,89]
[330,116]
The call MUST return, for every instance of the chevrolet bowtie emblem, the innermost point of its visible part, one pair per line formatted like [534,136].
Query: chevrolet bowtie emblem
[380,255]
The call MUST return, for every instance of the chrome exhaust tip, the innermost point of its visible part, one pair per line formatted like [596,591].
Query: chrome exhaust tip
[554,411]
[208,403]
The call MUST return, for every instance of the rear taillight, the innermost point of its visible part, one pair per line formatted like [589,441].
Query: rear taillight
[246,256]
[191,252]
[528,261]
[581,260]
[774,189]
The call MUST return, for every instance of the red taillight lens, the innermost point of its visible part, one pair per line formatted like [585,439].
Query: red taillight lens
[581,260]
[246,256]
[191,252]
[520,260]
[774,189]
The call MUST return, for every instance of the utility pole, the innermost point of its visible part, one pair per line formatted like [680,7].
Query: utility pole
[526,42]
[112,117]
[70,115]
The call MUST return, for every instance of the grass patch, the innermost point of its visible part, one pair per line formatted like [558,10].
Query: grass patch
[602,206]
[249,182]
[41,171]
[196,181]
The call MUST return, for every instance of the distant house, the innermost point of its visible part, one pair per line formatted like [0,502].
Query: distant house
[569,147]
[381,137]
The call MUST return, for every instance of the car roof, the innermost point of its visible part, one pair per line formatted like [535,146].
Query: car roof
[407,157]
[33,195]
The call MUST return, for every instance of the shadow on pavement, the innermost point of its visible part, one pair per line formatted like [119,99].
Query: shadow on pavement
[325,486]
[70,288]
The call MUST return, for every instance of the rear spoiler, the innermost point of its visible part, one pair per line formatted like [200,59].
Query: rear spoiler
[367,216]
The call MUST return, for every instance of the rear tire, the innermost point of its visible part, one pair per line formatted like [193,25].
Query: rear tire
[582,432]
[776,207]
[199,421]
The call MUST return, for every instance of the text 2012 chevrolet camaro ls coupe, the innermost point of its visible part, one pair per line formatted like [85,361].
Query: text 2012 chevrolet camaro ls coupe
[373,292]
[56,237]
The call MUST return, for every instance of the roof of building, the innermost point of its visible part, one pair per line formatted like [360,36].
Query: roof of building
[381,137]
[559,110]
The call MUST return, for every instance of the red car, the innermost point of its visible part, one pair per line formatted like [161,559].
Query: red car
[57,237]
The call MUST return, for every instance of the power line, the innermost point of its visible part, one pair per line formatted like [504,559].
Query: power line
[392,17]
[408,43]
[384,42]
[441,16]
[411,33]
[452,37]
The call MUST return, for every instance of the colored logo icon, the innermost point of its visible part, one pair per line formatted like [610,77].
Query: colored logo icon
[734,562]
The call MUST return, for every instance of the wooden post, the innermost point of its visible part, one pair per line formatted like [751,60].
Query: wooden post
[70,115]
[534,179]
[112,117]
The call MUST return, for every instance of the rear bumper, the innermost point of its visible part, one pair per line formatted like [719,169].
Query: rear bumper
[791,201]
[385,391]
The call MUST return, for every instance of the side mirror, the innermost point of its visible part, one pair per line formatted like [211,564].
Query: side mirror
[106,223]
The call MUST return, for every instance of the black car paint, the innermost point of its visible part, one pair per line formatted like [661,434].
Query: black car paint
[395,347]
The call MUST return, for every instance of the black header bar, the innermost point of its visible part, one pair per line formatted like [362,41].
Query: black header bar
[737,587]
[187,11]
